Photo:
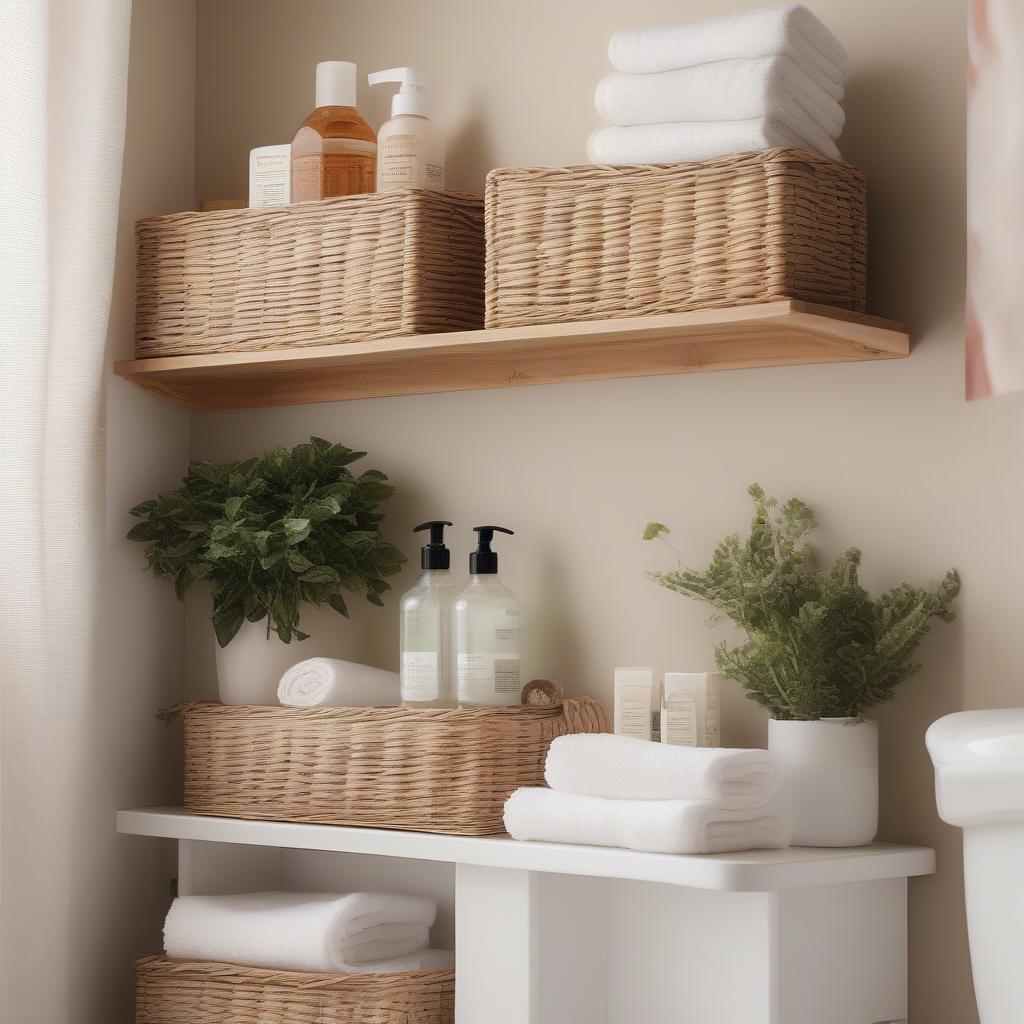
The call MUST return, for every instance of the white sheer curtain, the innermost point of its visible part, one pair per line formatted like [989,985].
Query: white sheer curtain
[63,70]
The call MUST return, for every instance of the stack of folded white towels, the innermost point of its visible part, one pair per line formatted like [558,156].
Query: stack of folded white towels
[323,933]
[735,84]
[614,791]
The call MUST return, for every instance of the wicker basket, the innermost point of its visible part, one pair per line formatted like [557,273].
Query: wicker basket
[584,243]
[432,770]
[364,266]
[199,992]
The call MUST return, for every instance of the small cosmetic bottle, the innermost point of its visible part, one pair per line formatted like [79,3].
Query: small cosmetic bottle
[334,152]
[634,688]
[690,715]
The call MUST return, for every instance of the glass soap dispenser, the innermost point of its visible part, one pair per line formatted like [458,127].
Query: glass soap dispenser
[426,669]
[486,630]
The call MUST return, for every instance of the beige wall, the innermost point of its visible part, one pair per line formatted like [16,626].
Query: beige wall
[889,454]
[136,758]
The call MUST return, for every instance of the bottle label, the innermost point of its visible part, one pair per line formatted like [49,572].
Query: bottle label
[679,723]
[633,712]
[420,676]
[341,167]
[399,164]
[482,677]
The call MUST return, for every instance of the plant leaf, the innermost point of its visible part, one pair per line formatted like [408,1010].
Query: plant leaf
[652,530]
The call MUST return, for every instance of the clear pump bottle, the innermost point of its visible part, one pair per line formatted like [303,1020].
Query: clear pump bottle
[427,677]
[486,631]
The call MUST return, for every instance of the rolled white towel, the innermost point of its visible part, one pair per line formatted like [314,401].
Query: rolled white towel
[791,30]
[694,141]
[727,90]
[421,960]
[320,932]
[620,768]
[327,682]
[650,826]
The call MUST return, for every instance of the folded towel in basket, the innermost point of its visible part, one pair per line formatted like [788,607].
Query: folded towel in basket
[319,932]
[791,30]
[693,141]
[727,90]
[328,682]
[620,768]
[650,826]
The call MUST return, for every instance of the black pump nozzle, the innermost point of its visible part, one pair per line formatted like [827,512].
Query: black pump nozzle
[483,561]
[435,555]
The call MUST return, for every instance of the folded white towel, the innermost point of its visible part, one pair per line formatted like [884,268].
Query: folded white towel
[327,682]
[693,141]
[791,30]
[620,768]
[727,90]
[320,932]
[421,960]
[650,826]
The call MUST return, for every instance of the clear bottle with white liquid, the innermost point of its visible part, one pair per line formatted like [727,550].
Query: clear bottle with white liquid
[486,632]
[427,676]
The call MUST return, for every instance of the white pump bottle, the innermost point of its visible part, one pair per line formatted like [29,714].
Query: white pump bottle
[410,148]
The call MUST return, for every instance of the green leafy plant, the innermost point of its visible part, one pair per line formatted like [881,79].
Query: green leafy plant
[272,534]
[817,644]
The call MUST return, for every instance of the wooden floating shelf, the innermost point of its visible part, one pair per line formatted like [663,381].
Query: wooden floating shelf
[783,333]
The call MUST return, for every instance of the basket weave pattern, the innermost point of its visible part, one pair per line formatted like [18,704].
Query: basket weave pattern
[584,243]
[432,770]
[348,269]
[199,992]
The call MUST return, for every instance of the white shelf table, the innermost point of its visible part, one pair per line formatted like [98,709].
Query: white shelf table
[555,934]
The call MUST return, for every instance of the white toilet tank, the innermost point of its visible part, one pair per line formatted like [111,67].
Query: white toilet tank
[979,786]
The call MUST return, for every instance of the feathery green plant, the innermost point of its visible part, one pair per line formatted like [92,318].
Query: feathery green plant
[271,534]
[818,645]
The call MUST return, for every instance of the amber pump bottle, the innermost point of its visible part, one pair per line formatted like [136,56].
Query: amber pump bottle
[334,152]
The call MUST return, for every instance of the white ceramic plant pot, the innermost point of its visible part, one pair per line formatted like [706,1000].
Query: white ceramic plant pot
[831,769]
[251,666]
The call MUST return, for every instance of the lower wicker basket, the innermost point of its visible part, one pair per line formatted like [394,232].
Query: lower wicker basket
[200,992]
[432,771]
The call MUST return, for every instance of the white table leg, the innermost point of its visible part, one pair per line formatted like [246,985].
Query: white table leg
[842,953]
[530,947]
[496,946]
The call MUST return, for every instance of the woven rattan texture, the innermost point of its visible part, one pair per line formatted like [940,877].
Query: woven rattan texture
[194,992]
[432,771]
[583,243]
[349,269]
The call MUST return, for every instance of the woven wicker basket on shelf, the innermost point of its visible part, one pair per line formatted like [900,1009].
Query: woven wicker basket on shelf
[584,243]
[432,771]
[199,992]
[349,269]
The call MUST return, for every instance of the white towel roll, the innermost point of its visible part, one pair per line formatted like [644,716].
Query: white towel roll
[649,826]
[728,90]
[319,932]
[694,141]
[791,30]
[327,682]
[620,768]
